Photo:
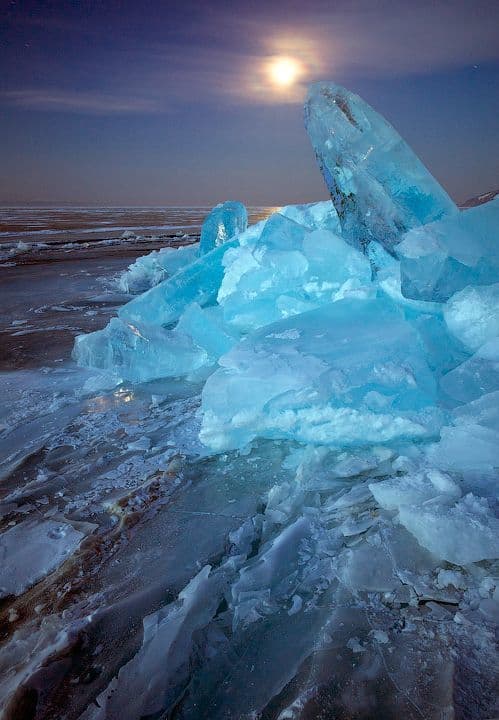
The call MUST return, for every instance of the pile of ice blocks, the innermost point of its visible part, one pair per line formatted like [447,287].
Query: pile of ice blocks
[368,325]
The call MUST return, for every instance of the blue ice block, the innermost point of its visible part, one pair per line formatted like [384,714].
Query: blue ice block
[378,185]
[223,223]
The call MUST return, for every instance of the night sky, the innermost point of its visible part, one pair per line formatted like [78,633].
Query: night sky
[170,103]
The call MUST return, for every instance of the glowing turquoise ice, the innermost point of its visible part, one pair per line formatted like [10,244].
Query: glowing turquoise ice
[223,223]
[439,259]
[307,325]
[198,282]
[288,269]
[350,373]
[378,186]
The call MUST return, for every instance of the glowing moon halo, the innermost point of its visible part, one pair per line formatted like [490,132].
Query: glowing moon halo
[284,71]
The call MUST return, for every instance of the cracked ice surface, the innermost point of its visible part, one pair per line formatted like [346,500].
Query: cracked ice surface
[31,550]
[317,533]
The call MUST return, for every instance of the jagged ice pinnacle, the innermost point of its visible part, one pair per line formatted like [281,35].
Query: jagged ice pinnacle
[378,186]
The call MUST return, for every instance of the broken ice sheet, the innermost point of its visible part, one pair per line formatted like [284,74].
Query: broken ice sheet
[429,505]
[31,550]
[464,533]
[441,258]
[415,489]
[163,657]
[350,373]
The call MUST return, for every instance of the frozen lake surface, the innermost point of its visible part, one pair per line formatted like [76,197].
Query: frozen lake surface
[112,514]
[29,233]
[315,564]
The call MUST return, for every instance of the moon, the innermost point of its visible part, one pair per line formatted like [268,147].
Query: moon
[284,71]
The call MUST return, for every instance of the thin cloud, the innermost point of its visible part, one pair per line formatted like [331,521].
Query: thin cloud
[84,102]
[388,38]
[137,74]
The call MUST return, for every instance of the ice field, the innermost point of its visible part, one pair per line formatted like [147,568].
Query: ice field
[272,476]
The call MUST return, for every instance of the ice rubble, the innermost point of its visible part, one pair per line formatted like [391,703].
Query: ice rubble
[149,270]
[366,328]
[222,223]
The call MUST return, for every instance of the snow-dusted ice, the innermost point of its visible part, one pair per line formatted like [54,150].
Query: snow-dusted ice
[328,463]
[149,270]
[310,378]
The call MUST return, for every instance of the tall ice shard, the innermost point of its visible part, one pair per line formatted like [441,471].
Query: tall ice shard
[378,185]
